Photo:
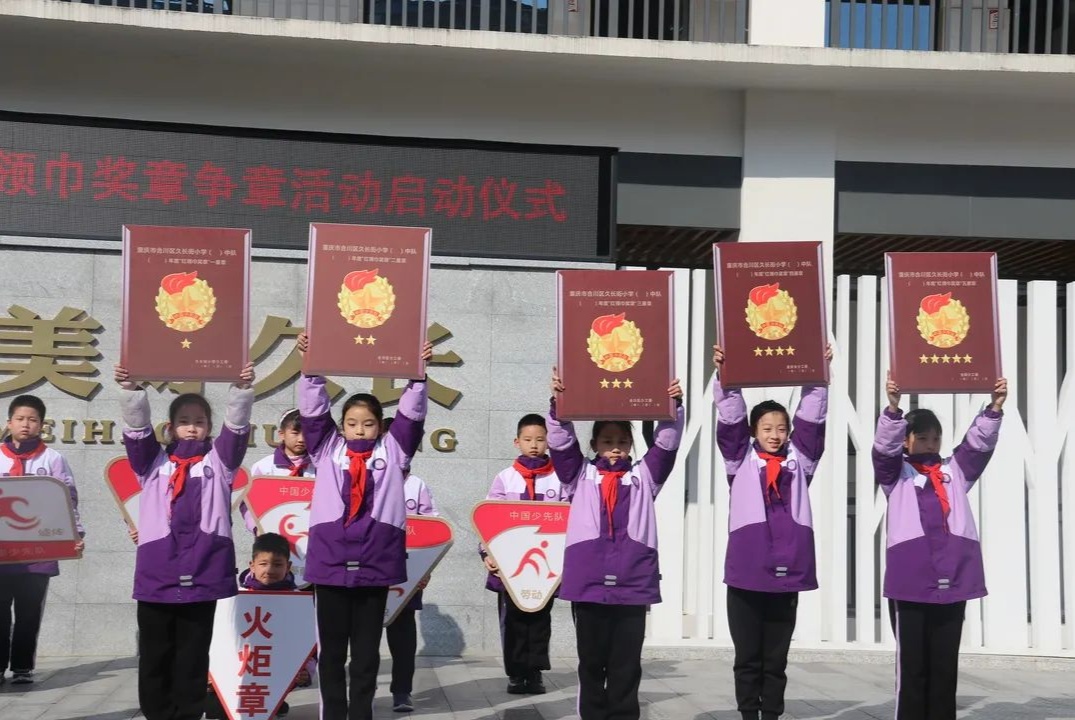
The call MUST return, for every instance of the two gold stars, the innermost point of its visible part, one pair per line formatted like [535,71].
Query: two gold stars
[779,351]
[365,340]
[945,359]
[616,384]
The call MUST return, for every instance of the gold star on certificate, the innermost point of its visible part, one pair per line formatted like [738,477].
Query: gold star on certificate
[359,340]
[371,340]
[780,351]
[185,344]
[790,350]
[757,352]
[768,352]
[934,359]
[945,359]
[616,384]
[604,384]
[957,359]
[627,383]
[966,358]
[923,359]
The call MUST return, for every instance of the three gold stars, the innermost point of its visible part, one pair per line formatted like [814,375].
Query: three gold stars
[616,384]
[945,359]
[365,340]
[779,351]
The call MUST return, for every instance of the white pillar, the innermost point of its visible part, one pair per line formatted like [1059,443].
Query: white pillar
[795,23]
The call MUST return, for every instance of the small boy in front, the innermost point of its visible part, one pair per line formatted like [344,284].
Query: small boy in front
[525,636]
[23,586]
[270,570]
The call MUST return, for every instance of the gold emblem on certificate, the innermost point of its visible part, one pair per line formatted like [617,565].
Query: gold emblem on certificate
[771,312]
[615,343]
[366,299]
[185,302]
[942,321]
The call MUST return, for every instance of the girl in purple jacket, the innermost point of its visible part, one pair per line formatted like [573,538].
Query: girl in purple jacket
[356,548]
[186,558]
[933,562]
[611,574]
[770,555]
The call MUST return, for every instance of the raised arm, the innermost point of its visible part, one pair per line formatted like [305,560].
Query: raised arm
[975,450]
[315,408]
[408,426]
[661,456]
[567,457]
[733,427]
[231,443]
[139,440]
[808,435]
[888,448]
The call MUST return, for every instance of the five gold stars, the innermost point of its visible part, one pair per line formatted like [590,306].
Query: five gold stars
[945,359]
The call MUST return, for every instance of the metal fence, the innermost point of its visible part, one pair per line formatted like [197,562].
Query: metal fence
[695,20]
[993,26]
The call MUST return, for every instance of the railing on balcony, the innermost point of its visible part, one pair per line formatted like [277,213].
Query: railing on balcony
[698,20]
[993,26]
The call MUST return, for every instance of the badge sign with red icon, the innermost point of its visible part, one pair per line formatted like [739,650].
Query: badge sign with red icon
[36,520]
[526,540]
[261,640]
[428,540]
[123,483]
[281,504]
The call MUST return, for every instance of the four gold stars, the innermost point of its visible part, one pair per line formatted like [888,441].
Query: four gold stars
[779,351]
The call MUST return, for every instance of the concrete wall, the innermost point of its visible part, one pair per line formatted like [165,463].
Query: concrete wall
[503,327]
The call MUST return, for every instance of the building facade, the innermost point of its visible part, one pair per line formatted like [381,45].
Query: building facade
[534,136]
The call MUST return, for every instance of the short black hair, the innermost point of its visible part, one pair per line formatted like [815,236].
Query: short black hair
[190,399]
[529,420]
[366,400]
[624,425]
[272,543]
[922,420]
[29,401]
[764,408]
[291,420]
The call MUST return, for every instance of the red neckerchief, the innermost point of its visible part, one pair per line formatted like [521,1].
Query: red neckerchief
[531,475]
[358,474]
[18,458]
[772,474]
[936,478]
[182,471]
[297,468]
[610,489]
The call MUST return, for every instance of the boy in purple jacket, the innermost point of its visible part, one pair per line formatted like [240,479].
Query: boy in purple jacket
[933,562]
[356,549]
[24,586]
[611,574]
[186,558]
[524,636]
[770,555]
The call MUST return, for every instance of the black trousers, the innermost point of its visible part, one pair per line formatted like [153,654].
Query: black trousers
[403,644]
[761,625]
[25,593]
[173,658]
[609,641]
[927,658]
[349,618]
[524,637]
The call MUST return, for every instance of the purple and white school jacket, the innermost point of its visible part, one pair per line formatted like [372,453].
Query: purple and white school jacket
[50,464]
[371,550]
[622,569]
[925,561]
[509,484]
[419,502]
[278,464]
[770,544]
[185,548]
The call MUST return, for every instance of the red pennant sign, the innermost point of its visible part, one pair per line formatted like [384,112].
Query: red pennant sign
[281,504]
[428,540]
[36,520]
[526,540]
[123,483]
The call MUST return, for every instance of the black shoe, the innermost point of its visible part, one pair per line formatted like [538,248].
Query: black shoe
[749,715]
[534,684]
[517,686]
[770,716]
[284,710]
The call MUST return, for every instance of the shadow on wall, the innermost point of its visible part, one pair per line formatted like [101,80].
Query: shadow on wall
[441,634]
